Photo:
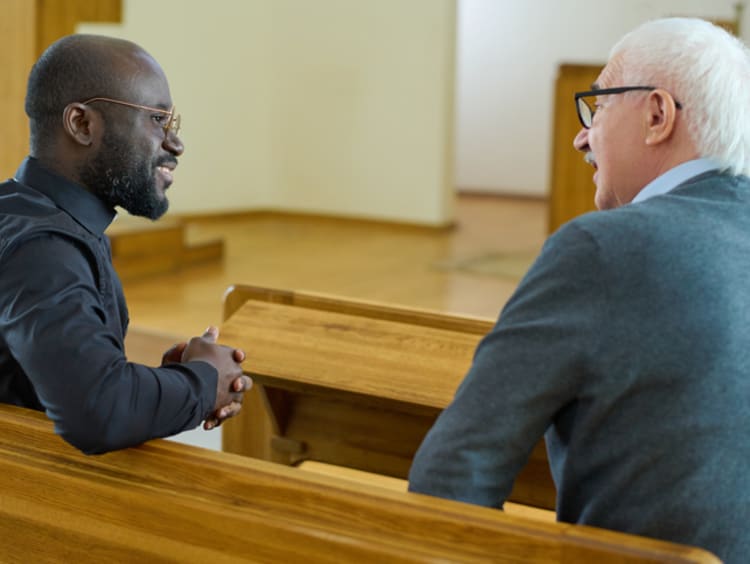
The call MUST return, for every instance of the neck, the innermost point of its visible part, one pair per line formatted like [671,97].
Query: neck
[680,149]
[67,166]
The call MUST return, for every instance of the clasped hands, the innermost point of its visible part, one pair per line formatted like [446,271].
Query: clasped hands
[232,383]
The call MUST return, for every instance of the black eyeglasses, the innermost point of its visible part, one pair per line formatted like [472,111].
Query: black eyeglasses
[587,110]
[168,119]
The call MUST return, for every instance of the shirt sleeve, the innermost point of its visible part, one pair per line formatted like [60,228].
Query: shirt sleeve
[59,331]
[524,372]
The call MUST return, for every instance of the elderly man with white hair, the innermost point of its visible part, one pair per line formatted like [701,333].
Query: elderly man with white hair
[627,344]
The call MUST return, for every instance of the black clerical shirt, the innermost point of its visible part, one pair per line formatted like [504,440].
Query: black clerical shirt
[63,321]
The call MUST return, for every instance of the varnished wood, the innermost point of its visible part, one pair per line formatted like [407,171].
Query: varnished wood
[374,263]
[27,28]
[401,485]
[17,20]
[237,295]
[165,501]
[143,248]
[352,383]
[357,259]
[57,18]
[571,185]
[147,346]
[395,361]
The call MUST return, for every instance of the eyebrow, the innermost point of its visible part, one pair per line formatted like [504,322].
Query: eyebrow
[159,106]
[595,86]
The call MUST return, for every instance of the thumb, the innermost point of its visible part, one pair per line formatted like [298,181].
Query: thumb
[211,334]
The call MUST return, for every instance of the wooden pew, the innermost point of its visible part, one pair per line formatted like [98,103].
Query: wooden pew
[165,501]
[351,383]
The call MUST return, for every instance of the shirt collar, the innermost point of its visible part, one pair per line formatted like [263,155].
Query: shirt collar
[83,206]
[674,177]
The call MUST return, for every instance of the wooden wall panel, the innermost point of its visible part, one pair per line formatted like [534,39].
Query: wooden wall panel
[16,57]
[27,28]
[57,18]
[572,188]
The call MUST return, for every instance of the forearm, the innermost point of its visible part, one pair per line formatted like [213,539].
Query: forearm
[133,404]
[524,373]
[101,402]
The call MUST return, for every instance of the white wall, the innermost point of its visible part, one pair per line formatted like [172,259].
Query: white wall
[345,106]
[507,60]
[340,107]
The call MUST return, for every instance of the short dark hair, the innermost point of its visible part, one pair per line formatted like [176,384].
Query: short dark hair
[72,69]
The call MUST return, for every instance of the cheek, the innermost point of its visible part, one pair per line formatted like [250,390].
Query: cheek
[597,136]
[148,155]
[148,146]
[604,144]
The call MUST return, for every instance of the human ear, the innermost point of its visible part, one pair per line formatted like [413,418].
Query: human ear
[661,112]
[80,123]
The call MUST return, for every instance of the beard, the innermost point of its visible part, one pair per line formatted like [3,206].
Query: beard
[119,177]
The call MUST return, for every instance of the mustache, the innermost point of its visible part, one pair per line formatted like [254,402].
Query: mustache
[166,160]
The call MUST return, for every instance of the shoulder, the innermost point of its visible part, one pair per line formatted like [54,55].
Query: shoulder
[659,226]
[637,224]
[26,214]
[712,179]
[589,232]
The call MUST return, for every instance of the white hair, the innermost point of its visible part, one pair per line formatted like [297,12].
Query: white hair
[707,70]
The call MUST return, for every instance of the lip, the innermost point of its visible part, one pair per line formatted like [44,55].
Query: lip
[166,170]
[169,165]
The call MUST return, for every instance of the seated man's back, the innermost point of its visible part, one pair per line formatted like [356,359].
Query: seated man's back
[628,341]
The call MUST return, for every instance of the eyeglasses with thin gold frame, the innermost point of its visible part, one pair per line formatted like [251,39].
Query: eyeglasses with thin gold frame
[173,121]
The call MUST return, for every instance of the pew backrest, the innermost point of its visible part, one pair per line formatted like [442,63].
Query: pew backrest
[352,383]
[166,502]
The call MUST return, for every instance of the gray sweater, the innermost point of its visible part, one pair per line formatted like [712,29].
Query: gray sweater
[628,344]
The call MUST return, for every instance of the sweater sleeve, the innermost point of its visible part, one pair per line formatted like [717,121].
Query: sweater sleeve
[524,372]
[57,326]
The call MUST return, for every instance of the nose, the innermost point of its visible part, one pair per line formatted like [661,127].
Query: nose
[173,144]
[581,141]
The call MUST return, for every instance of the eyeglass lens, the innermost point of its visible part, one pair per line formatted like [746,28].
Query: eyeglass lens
[585,113]
[173,125]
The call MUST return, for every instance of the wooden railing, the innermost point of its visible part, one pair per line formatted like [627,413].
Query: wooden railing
[166,501]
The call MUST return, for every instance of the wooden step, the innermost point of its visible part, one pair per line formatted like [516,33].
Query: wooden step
[141,247]
[146,346]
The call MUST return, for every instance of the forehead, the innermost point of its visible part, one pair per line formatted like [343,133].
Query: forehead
[142,80]
[611,73]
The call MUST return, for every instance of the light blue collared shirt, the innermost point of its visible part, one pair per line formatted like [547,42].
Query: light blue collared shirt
[674,177]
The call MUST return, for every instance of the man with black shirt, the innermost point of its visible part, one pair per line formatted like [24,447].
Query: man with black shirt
[104,133]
